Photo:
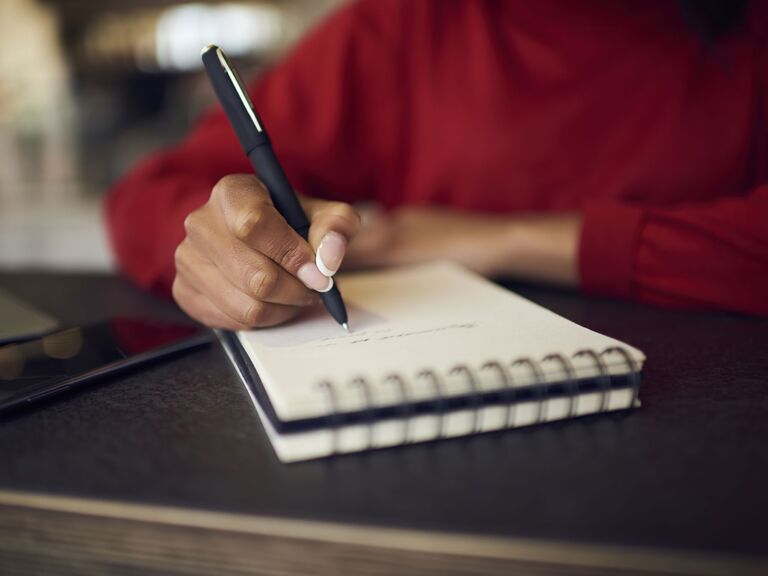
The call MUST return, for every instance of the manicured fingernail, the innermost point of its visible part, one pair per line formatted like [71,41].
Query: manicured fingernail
[330,253]
[313,278]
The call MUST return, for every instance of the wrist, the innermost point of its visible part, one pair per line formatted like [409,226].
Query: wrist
[543,248]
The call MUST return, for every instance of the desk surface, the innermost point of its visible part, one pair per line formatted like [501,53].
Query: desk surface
[687,471]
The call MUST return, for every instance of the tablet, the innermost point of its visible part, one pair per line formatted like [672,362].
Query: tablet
[70,358]
[21,320]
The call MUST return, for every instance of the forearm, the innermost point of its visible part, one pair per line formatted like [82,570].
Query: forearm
[538,247]
[542,248]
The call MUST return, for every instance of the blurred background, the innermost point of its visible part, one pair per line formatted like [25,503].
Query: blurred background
[87,87]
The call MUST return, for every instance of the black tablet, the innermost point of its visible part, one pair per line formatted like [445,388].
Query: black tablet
[40,368]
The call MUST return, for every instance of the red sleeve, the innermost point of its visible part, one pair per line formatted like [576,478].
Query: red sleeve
[330,111]
[708,255]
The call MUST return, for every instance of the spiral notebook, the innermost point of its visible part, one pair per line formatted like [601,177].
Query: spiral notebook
[435,352]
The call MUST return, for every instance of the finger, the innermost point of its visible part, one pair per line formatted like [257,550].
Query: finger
[200,306]
[251,272]
[252,218]
[206,278]
[334,225]
[197,306]
[374,245]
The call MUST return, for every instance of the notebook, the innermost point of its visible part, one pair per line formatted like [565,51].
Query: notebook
[435,352]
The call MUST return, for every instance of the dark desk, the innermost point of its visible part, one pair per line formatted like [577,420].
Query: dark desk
[680,485]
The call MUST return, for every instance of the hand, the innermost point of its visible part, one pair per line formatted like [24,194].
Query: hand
[541,247]
[411,235]
[242,266]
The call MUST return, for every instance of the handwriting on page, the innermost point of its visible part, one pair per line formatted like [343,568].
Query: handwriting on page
[389,333]
[315,328]
[316,325]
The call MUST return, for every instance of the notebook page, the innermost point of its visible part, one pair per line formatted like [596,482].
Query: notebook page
[403,321]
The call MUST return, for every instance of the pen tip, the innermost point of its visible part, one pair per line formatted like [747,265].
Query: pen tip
[345,326]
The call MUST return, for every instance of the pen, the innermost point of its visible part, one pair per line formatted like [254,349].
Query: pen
[257,146]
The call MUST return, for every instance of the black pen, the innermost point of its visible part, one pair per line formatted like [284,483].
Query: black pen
[257,146]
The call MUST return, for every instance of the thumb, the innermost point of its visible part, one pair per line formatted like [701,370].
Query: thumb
[332,226]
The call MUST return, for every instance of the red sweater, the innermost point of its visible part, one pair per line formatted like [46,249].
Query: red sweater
[611,108]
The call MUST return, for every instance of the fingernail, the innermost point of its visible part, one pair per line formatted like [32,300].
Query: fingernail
[312,278]
[330,253]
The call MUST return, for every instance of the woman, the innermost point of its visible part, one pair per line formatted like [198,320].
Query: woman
[615,146]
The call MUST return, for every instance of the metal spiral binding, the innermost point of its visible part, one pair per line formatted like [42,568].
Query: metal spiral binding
[538,377]
[362,383]
[475,395]
[508,391]
[634,374]
[334,415]
[572,380]
[603,378]
[439,401]
[404,406]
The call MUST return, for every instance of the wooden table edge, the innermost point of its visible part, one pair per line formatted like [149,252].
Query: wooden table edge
[115,523]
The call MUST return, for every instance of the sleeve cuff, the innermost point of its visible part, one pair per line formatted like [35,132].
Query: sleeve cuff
[610,236]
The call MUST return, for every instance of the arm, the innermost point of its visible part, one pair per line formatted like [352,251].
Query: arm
[540,247]
[314,120]
[710,255]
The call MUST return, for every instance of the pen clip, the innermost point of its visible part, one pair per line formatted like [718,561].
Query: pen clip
[239,87]
[234,99]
